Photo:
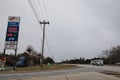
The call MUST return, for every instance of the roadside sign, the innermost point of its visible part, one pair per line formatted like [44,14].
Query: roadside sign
[2,59]
[12,32]
[7,46]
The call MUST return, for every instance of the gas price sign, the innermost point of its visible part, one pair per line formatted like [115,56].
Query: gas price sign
[12,32]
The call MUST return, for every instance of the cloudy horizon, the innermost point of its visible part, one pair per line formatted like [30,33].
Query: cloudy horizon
[78,28]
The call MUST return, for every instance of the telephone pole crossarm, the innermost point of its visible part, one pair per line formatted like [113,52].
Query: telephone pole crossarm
[44,23]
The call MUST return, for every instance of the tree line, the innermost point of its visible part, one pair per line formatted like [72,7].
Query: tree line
[32,57]
[80,60]
[109,56]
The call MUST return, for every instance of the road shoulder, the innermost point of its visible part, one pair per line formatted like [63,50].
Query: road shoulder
[78,76]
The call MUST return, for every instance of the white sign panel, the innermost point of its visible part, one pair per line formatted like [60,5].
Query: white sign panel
[10,46]
[13,19]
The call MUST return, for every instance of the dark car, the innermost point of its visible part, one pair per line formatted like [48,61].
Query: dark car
[21,62]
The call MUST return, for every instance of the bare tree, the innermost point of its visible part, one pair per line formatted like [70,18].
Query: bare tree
[112,55]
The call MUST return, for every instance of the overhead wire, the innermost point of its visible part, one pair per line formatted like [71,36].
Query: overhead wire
[33,6]
[49,50]
[47,19]
[41,9]
[38,13]
[36,8]
[33,9]
[45,9]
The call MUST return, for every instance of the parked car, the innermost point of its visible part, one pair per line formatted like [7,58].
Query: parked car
[21,62]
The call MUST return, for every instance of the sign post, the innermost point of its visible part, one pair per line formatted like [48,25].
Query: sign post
[2,63]
[12,33]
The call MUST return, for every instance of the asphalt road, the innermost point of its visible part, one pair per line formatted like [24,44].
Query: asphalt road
[103,68]
[80,69]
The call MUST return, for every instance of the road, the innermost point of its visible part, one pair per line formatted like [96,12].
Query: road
[80,69]
[103,68]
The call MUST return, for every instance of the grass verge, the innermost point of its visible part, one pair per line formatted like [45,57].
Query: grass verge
[38,68]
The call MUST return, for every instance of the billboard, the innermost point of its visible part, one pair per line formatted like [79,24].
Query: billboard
[12,32]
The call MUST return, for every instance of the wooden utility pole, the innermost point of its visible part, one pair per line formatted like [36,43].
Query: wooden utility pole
[44,23]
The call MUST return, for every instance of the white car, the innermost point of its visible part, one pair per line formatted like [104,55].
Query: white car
[97,62]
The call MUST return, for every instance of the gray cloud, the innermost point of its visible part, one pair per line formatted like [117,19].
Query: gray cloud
[78,28]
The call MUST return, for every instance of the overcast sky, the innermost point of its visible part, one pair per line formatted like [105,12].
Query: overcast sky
[78,28]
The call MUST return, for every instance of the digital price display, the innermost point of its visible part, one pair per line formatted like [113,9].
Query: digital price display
[12,30]
[12,33]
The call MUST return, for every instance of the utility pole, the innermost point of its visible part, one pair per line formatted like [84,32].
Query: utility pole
[44,23]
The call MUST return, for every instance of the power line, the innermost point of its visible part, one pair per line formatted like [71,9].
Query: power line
[37,10]
[39,13]
[45,9]
[49,50]
[33,9]
[33,6]
[40,8]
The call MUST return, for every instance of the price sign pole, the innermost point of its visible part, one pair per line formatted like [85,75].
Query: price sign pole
[12,33]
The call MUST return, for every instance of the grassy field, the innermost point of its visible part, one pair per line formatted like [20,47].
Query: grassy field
[38,68]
